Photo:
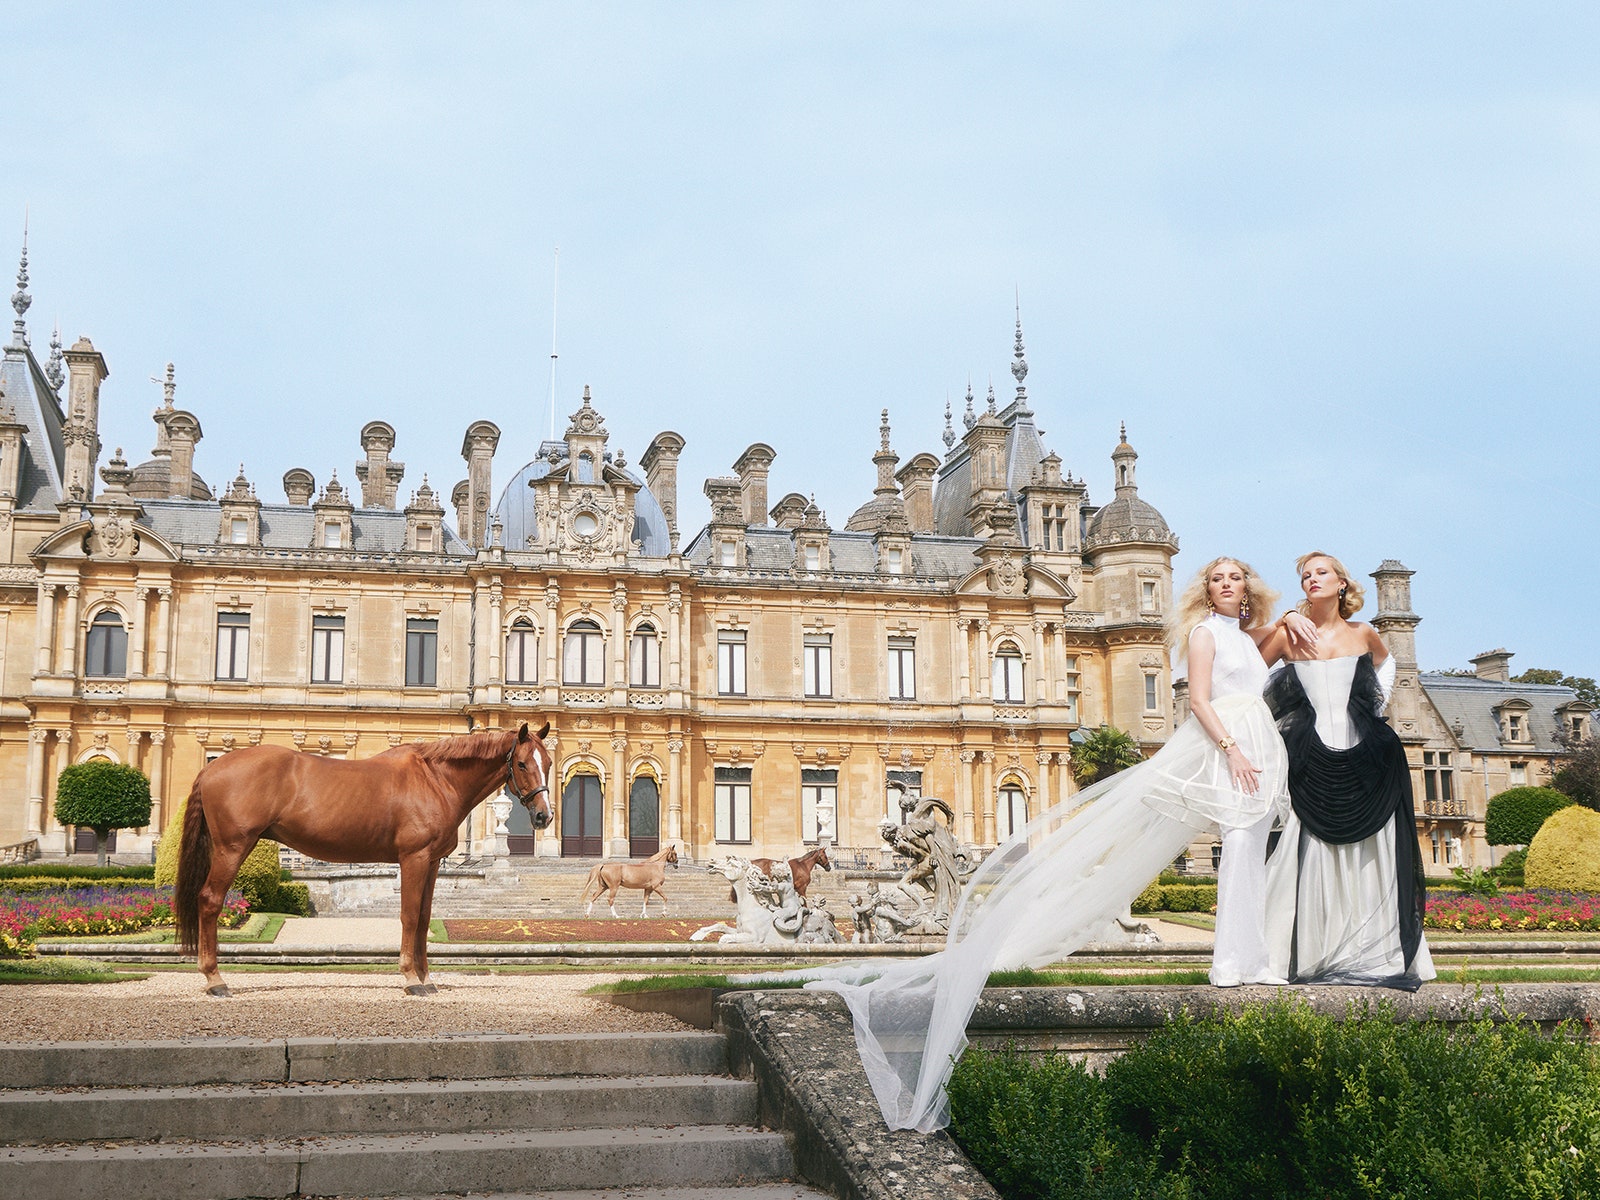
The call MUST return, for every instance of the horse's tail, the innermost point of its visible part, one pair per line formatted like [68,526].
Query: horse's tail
[194,864]
[594,878]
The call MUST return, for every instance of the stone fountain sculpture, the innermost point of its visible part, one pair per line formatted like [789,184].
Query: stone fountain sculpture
[769,910]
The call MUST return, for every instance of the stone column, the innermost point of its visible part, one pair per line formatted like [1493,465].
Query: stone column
[619,797]
[497,633]
[552,641]
[675,639]
[1058,660]
[964,794]
[163,630]
[1039,672]
[136,632]
[964,660]
[1042,792]
[986,679]
[988,798]
[619,644]
[68,654]
[45,625]
[157,773]
[36,740]
[675,788]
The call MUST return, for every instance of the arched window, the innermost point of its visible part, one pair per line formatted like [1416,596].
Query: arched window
[583,657]
[522,652]
[1012,811]
[1008,675]
[644,658]
[106,649]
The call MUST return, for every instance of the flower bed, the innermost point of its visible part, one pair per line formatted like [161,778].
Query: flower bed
[92,912]
[1538,911]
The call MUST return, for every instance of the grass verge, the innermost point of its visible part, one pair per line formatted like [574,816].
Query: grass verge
[61,970]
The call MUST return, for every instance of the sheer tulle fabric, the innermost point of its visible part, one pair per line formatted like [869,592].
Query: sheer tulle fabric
[1046,892]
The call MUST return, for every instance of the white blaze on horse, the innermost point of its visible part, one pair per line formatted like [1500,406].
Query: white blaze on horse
[799,868]
[649,874]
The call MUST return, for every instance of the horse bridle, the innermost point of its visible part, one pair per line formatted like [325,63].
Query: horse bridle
[527,798]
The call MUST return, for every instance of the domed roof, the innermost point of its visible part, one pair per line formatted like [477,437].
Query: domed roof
[518,511]
[150,482]
[1127,519]
[872,515]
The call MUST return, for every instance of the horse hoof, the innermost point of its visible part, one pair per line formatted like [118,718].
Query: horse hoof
[418,989]
[220,989]
[432,989]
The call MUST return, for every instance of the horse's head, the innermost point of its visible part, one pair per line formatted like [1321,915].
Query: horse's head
[821,853]
[732,868]
[672,855]
[528,767]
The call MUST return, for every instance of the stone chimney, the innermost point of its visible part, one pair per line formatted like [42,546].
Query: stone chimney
[379,476]
[1493,666]
[752,467]
[299,485]
[1397,626]
[660,463]
[85,370]
[916,488]
[183,434]
[478,447]
[790,511]
[460,495]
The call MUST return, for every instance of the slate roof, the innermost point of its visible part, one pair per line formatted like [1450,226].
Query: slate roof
[287,526]
[518,510]
[849,553]
[952,494]
[39,483]
[1469,703]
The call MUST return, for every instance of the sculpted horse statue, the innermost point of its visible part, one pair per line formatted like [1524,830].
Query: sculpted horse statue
[649,874]
[402,806]
[799,868]
[755,919]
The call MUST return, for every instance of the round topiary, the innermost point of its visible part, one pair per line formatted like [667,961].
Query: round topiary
[1565,853]
[102,795]
[1516,814]
[258,875]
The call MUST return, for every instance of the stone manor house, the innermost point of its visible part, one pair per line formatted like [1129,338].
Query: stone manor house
[754,686]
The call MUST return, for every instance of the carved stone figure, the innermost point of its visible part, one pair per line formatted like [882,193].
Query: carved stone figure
[770,912]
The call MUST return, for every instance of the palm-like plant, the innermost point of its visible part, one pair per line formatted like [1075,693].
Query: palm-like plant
[1102,754]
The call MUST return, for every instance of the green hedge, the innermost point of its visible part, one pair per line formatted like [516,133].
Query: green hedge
[1276,1101]
[1510,869]
[1176,897]
[55,883]
[39,870]
[1516,814]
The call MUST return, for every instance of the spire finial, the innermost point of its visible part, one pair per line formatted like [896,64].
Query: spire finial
[969,418]
[991,397]
[20,300]
[170,387]
[883,429]
[1123,431]
[949,429]
[1019,368]
[53,373]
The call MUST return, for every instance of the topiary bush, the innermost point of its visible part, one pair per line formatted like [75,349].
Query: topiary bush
[260,878]
[1511,868]
[1565,854]
[102,795]
[1516,814]
[1176,897]
[1276,1100]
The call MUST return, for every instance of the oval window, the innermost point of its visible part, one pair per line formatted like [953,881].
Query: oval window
[585,525]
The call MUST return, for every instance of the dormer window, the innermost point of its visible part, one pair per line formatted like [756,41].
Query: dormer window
[728,554]
[239,531]
[332,537]
[813,558]
[894,561]
[1514,727]
[425,539]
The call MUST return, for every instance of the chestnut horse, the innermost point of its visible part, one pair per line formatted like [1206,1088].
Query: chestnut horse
[402,806]
[802,868]
[648,874]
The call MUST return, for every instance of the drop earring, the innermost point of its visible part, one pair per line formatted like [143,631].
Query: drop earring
[1244,608]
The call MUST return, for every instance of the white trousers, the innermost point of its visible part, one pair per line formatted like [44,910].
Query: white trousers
[1240,953]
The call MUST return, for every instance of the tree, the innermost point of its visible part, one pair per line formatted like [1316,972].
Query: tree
[1579,777]
[1102,754]
[103,796]
[1588,690]
[1516,814]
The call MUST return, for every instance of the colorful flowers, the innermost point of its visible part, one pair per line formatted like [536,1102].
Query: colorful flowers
[1546,910]
[91,912]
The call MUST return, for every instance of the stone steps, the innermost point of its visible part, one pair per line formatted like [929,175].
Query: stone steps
[218,1118]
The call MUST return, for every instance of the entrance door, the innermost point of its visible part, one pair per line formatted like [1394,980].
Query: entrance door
[519,830]
[582,814]
[644,818]
[83,840]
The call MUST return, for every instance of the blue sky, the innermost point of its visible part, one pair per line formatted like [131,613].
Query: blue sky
[1337,267]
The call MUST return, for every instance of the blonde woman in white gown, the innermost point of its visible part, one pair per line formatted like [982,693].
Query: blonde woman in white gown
[1345,893]
[1056,884]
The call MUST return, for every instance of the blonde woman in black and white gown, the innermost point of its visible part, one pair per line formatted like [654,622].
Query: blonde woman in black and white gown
[1057,883]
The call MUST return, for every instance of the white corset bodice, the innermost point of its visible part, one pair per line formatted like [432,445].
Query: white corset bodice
[1237,669]
[1327,685]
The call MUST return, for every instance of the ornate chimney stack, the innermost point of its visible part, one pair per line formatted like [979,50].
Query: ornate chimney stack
[752,467]
[299,486]
[660,463]
[379,476]
[478,447]
[86,369]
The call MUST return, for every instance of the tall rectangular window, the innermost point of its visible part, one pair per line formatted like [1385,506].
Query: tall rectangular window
[732,800]
[730,663]
[1437,781]
[583,656]
[522,652]
[1519,774]
[422,652]
[729,554]
[1008,686]
[1151,700]
[327,649]
[911,782]
[239,531]
[1070,666]
[332,535]
[106,647]
[902,668]
[819,804]
[644,658]
[233,645]
[1147,595]
[818,650]
[813,558]
[895,562]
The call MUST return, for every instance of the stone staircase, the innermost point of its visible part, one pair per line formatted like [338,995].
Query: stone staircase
[550,888]
[566,1116]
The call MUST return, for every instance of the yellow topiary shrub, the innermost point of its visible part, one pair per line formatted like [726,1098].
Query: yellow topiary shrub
[259,874]
[1565,853]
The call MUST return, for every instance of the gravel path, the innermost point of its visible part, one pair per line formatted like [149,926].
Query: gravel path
[280,1004]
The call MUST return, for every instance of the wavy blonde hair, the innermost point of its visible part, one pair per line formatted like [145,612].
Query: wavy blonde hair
[1194,604]
[1354,595]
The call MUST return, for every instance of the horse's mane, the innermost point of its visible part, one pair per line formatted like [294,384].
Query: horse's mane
[490,743]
